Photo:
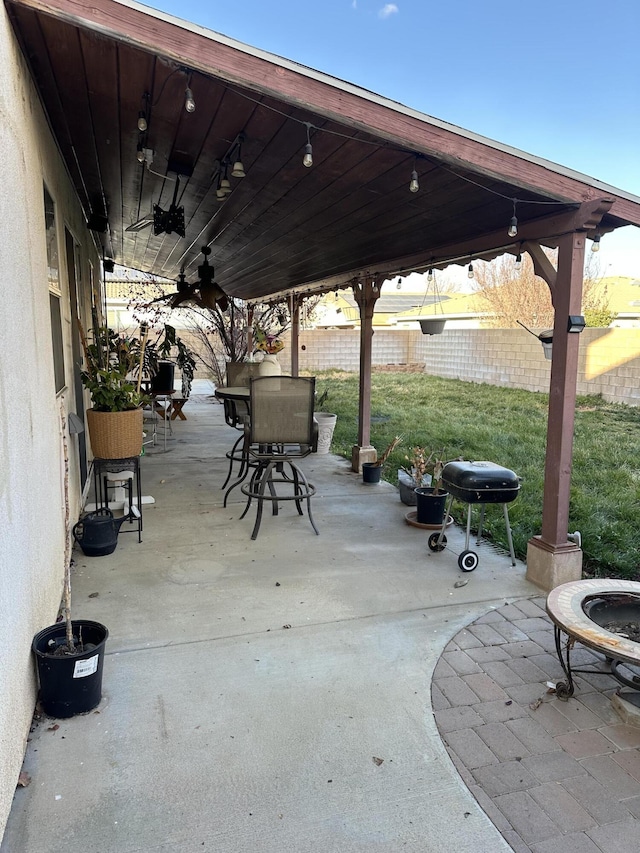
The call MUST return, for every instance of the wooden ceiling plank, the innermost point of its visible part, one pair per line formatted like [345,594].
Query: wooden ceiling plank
[344,103]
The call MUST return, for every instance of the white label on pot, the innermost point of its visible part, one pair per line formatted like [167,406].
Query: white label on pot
[85,667]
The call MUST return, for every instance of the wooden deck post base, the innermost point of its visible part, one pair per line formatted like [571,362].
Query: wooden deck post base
[549,566]
[360,455]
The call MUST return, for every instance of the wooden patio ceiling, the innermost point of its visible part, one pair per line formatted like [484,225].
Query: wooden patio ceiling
[283,226]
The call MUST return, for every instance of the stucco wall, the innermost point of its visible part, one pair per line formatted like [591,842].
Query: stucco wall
[31,479]
[609,358]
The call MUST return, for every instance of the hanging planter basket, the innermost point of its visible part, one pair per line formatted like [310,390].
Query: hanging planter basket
[432,327]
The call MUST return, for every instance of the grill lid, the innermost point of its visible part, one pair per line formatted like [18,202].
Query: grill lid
[482,482]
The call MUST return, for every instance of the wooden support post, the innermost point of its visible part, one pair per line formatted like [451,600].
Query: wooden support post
[295,303]
[366,294]
[562,559]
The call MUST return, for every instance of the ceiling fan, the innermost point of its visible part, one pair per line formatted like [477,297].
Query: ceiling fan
[204,292]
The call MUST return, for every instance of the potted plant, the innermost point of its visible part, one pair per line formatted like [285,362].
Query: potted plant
[372,471]
[70,654]
[162,356]
[431,500]
[270,345]
[326,424]
[115,418]
[416,474]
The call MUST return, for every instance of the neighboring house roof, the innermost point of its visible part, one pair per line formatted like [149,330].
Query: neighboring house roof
[283,227]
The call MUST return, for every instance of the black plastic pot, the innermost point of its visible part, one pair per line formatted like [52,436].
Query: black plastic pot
[371,472]
[162,382]
[70,684]
[430,507]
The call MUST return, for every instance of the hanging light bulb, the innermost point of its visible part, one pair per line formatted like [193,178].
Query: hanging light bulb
[238,169]
[307,160]
[414,186]
[518,262]
[140,153]
[470,273]
[220,192]
[513,225]
[142,122]
[595,246]
[189,103]
[225,183]
[430,275]
[399,284]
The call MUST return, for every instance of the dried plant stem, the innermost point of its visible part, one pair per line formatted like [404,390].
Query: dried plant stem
[66,595]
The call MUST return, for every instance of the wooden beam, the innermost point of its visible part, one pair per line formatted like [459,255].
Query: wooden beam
[562,393]
[542,266]
[547,229]
[366,294]
[295,303]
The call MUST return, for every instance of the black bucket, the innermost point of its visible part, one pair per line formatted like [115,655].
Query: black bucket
[371,472]
[430,507]
[162,382]
[70,684]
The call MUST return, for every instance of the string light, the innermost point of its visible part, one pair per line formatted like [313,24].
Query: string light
[225,183]
[513,225]
[399,284]
[189,102]
[595,246]
[518,262]
[140,153]
[470,273]
[307,160]
[414,186]
[430,275]
[142,122]
[237,170]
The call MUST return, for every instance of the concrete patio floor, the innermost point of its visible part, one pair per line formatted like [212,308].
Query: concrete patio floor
[268,695]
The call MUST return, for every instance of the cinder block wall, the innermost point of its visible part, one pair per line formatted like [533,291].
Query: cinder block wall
[609,358]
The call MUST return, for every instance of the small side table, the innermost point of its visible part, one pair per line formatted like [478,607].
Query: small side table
[105,476]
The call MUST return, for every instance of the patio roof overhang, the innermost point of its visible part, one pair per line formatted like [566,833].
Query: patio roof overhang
[283,227]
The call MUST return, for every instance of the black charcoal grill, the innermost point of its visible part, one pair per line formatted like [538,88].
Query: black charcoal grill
[476,483]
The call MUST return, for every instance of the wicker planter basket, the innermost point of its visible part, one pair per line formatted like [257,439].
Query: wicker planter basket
[115,435]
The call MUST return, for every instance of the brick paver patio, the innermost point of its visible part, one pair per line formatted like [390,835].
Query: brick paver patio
[551,775]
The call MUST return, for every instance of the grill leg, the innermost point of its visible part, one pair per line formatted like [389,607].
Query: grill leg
[509,539]
[480,523]
[466,543]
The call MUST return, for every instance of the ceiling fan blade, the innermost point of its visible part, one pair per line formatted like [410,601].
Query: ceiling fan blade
[141,223]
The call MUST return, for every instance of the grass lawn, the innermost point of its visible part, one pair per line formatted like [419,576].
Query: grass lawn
[508,426]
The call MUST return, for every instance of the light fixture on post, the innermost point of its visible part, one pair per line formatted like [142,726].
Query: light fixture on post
[189,102]
[307,160]
[513,225]
[237,170]
[576,323]
[595,246]
[414,186]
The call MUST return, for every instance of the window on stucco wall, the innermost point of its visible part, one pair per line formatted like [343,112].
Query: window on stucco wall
[53,277]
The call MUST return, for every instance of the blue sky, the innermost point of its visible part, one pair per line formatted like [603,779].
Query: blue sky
[557,79]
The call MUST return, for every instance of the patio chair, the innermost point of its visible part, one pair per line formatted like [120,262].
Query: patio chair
[280,431]
[236,414]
